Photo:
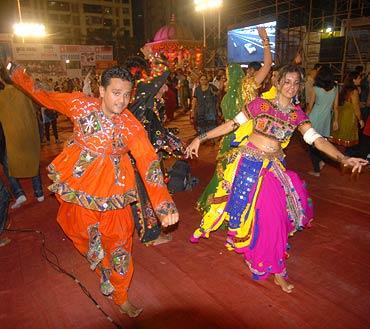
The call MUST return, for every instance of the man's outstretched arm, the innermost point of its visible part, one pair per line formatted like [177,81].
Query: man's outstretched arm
[61,102]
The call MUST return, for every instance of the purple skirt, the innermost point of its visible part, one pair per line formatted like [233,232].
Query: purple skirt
[282,206]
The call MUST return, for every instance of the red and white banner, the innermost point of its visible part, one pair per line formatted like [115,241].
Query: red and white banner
[50,52]
[36,52]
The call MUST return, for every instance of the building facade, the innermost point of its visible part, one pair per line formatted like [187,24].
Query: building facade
[80,21]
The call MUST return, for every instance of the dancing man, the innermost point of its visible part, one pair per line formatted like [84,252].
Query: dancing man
[94,181]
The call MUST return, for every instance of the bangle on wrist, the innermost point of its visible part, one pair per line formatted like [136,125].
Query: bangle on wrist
[202,137]
[236,124]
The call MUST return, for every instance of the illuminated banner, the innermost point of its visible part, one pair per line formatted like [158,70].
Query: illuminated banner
[71,52]
[104,53]
[50,52]
[37,52]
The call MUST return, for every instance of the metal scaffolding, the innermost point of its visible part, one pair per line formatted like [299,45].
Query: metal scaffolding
[346,20]
[301,26]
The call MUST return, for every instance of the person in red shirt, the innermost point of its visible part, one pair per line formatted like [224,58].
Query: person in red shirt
[94,181]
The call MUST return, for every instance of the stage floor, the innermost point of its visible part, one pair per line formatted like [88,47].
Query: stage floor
[203,286]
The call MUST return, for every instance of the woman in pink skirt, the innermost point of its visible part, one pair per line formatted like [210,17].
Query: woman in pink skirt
[263,202]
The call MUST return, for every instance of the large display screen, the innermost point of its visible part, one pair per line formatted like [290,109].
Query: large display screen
[244,44]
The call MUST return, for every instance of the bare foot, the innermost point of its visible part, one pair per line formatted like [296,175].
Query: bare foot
[284,285]
[130,310]
[163,238]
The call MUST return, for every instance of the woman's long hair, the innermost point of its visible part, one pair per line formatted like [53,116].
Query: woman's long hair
[290,68]
[325,79]
[348,86]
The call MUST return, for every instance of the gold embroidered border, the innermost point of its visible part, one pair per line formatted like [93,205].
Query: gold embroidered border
[259,155]
[87,201]
[117,201]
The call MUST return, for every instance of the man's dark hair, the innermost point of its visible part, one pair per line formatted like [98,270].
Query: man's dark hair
[254,65]
[118,72]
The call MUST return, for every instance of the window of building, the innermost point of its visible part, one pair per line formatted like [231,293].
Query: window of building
[125,1]
[126,11]
[74,7]
[53,18]
[94,9]
[108,10]
[126,22]
[107,22]
[76,20]
[77,33]
[65,31]
[66,19]
[93,20]
[58,5]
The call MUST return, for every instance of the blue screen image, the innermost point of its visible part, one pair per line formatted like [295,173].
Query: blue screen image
[244,44]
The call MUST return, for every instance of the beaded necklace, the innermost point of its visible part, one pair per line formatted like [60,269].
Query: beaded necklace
[279,132]
[284,109]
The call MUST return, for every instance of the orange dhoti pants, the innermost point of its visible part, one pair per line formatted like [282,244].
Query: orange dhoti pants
[106,238]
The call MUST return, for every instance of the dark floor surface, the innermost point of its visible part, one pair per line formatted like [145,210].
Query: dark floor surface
[202,286]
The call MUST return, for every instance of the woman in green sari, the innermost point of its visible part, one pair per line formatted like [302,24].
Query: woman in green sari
[241,89]
[231,105]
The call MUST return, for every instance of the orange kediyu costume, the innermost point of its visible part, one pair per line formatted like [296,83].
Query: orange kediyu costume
[94,182]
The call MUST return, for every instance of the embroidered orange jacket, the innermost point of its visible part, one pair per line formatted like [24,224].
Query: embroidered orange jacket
[94,169]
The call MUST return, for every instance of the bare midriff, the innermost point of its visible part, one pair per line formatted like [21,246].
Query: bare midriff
[263,143]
